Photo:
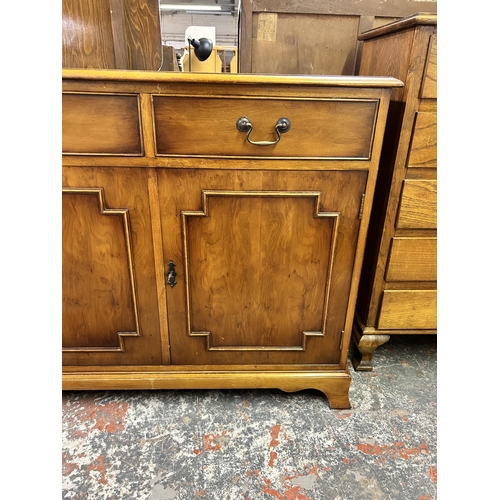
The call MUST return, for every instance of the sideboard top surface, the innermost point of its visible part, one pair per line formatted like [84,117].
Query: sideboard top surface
[228,78]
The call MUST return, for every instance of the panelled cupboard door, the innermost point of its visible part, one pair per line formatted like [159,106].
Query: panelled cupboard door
[263,263]
[110,310]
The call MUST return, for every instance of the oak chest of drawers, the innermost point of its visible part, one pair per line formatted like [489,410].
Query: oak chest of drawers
[398,285]
[214,227]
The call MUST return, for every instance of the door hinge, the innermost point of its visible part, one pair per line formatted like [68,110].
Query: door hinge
[341,340]
[362,206]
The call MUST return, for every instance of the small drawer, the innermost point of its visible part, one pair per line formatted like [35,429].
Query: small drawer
[429,84]
[206,126]
[408,310]
[418,206]
[423,151]
[412,259]
[104,124]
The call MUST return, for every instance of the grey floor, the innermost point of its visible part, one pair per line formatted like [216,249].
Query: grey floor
[261,444]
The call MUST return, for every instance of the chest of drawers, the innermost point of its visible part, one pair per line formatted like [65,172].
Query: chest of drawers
[398,288]
[214,227]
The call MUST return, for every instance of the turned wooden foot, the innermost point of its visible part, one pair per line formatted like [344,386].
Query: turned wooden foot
[366,345]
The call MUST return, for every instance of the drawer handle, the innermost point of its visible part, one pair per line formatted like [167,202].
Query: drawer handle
[243,124]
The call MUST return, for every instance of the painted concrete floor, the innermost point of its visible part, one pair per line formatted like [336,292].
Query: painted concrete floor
[261,444]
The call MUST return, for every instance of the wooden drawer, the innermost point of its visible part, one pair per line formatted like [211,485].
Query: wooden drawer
[408,309]
[412,259]
[334,128]
[107,124]
[429,84]
[423,151]
[418,206]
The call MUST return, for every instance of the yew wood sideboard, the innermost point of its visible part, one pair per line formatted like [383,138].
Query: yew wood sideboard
[398,284]
[214,227]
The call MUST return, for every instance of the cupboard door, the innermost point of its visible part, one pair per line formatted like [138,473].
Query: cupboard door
[110,310]
[263,263]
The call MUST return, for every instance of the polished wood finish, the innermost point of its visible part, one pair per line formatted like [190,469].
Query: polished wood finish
[101,124]
[314,37]
[267,241]
[313,123]
[111,34]
[408,310]
[398,284]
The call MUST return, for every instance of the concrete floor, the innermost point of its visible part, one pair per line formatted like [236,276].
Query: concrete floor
[261,444]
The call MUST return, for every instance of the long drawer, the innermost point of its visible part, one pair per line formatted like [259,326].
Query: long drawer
[423,151]
[412,259]
[408,309]
[418,205]
[333,128]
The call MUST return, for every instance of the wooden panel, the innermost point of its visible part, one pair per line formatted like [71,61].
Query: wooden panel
[423,151]
[101,124]
[111,34]
[169,59]
[264,265]
[412,259]
[418,206]
[96,261]
[429,89]
[408,309]
[294,249]
[308,54]
[394,8]
[307,44]
[110,308]
[392,64]
[87,35]
[336,128]
[143,34]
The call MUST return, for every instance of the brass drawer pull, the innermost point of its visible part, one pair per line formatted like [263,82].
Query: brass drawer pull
[244,124]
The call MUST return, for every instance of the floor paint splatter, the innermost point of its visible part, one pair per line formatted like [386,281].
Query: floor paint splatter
[261,444]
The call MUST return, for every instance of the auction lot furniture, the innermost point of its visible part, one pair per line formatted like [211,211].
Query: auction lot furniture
[214,227]
[398,287]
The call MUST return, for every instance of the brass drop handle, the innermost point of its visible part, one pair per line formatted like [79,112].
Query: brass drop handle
[243,124]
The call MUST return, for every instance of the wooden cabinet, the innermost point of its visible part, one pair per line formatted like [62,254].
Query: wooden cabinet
[398,287]
[197,255]
[314,37]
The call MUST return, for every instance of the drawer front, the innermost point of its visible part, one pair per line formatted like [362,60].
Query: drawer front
[423,151]
[107,124]
[408,310]
[418,206]
[429,85]
[412,259]
[319,128]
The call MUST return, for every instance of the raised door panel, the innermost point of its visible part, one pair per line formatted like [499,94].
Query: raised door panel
[109,312]
[263,263]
